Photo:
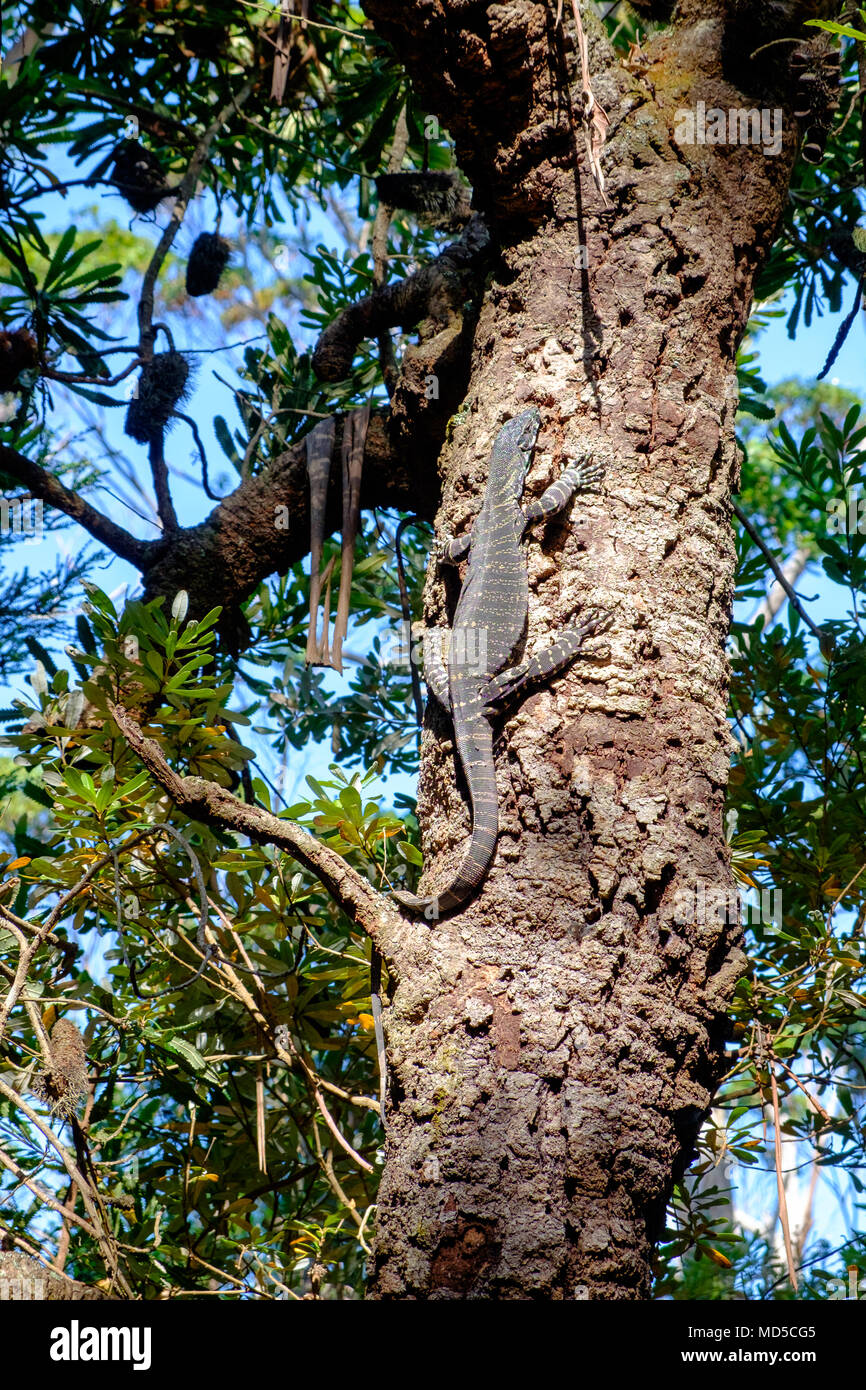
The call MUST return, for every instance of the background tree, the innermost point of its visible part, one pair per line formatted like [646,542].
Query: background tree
[187,960]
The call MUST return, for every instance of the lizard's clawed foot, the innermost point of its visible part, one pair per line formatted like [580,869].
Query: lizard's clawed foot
[589,473]
[597,622]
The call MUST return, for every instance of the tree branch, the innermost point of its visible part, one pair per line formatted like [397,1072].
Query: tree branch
[263,527]
[435,291]
[792,569]
[162,491]
[206,801]
[50,489]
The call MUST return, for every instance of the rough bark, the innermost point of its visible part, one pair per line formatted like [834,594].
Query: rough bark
[554,1054]
[25,1280]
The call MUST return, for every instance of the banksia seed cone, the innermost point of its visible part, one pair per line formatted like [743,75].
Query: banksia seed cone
[64,1085]
[207,261]
[162,385]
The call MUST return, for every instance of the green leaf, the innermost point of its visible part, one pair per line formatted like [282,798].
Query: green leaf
[190,1054]
[411,853]
[844,30]
[64,245]
[141,779]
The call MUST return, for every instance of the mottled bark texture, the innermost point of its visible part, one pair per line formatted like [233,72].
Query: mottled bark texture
[25,1280]
[555,1051]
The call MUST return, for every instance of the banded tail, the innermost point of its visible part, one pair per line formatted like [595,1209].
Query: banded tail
[476,755]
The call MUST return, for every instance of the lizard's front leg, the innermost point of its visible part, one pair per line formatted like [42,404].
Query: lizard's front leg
[451,550]
[580,477]
[502,688]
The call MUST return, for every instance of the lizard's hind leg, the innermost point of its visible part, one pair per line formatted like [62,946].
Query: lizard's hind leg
[581,477]
[435,670]
[502,689]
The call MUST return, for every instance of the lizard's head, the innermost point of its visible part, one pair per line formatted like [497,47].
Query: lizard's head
[516,441]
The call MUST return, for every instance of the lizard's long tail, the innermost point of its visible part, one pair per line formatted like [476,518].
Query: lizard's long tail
[475,746]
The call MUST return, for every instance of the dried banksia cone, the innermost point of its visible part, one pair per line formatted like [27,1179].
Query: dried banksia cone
[138,176]
[427,193]
[18,352]
[207,261]
[65,1083]
[161,387]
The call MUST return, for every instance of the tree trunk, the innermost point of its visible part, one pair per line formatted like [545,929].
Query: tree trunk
[556,1049]
[25,1280]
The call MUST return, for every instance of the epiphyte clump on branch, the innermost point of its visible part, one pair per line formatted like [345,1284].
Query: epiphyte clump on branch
[207,261]
[63,1083]
[163,384]
[432,195]
[815,67]
[138,176]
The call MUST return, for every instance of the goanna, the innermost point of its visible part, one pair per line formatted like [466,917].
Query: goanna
[489,623]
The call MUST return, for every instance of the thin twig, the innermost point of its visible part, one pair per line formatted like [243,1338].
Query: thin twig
[783,1199]
[379,247]
[92,380]
[777,570]
[201,453]
[815,1104]
[45,1196]
[159,472]
[44,932]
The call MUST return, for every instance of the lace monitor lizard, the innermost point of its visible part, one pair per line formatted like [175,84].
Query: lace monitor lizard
[479,679]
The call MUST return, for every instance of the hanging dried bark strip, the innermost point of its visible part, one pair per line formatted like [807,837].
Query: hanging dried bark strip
[595,121]
[283,46]
[354,437]
[320,445]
